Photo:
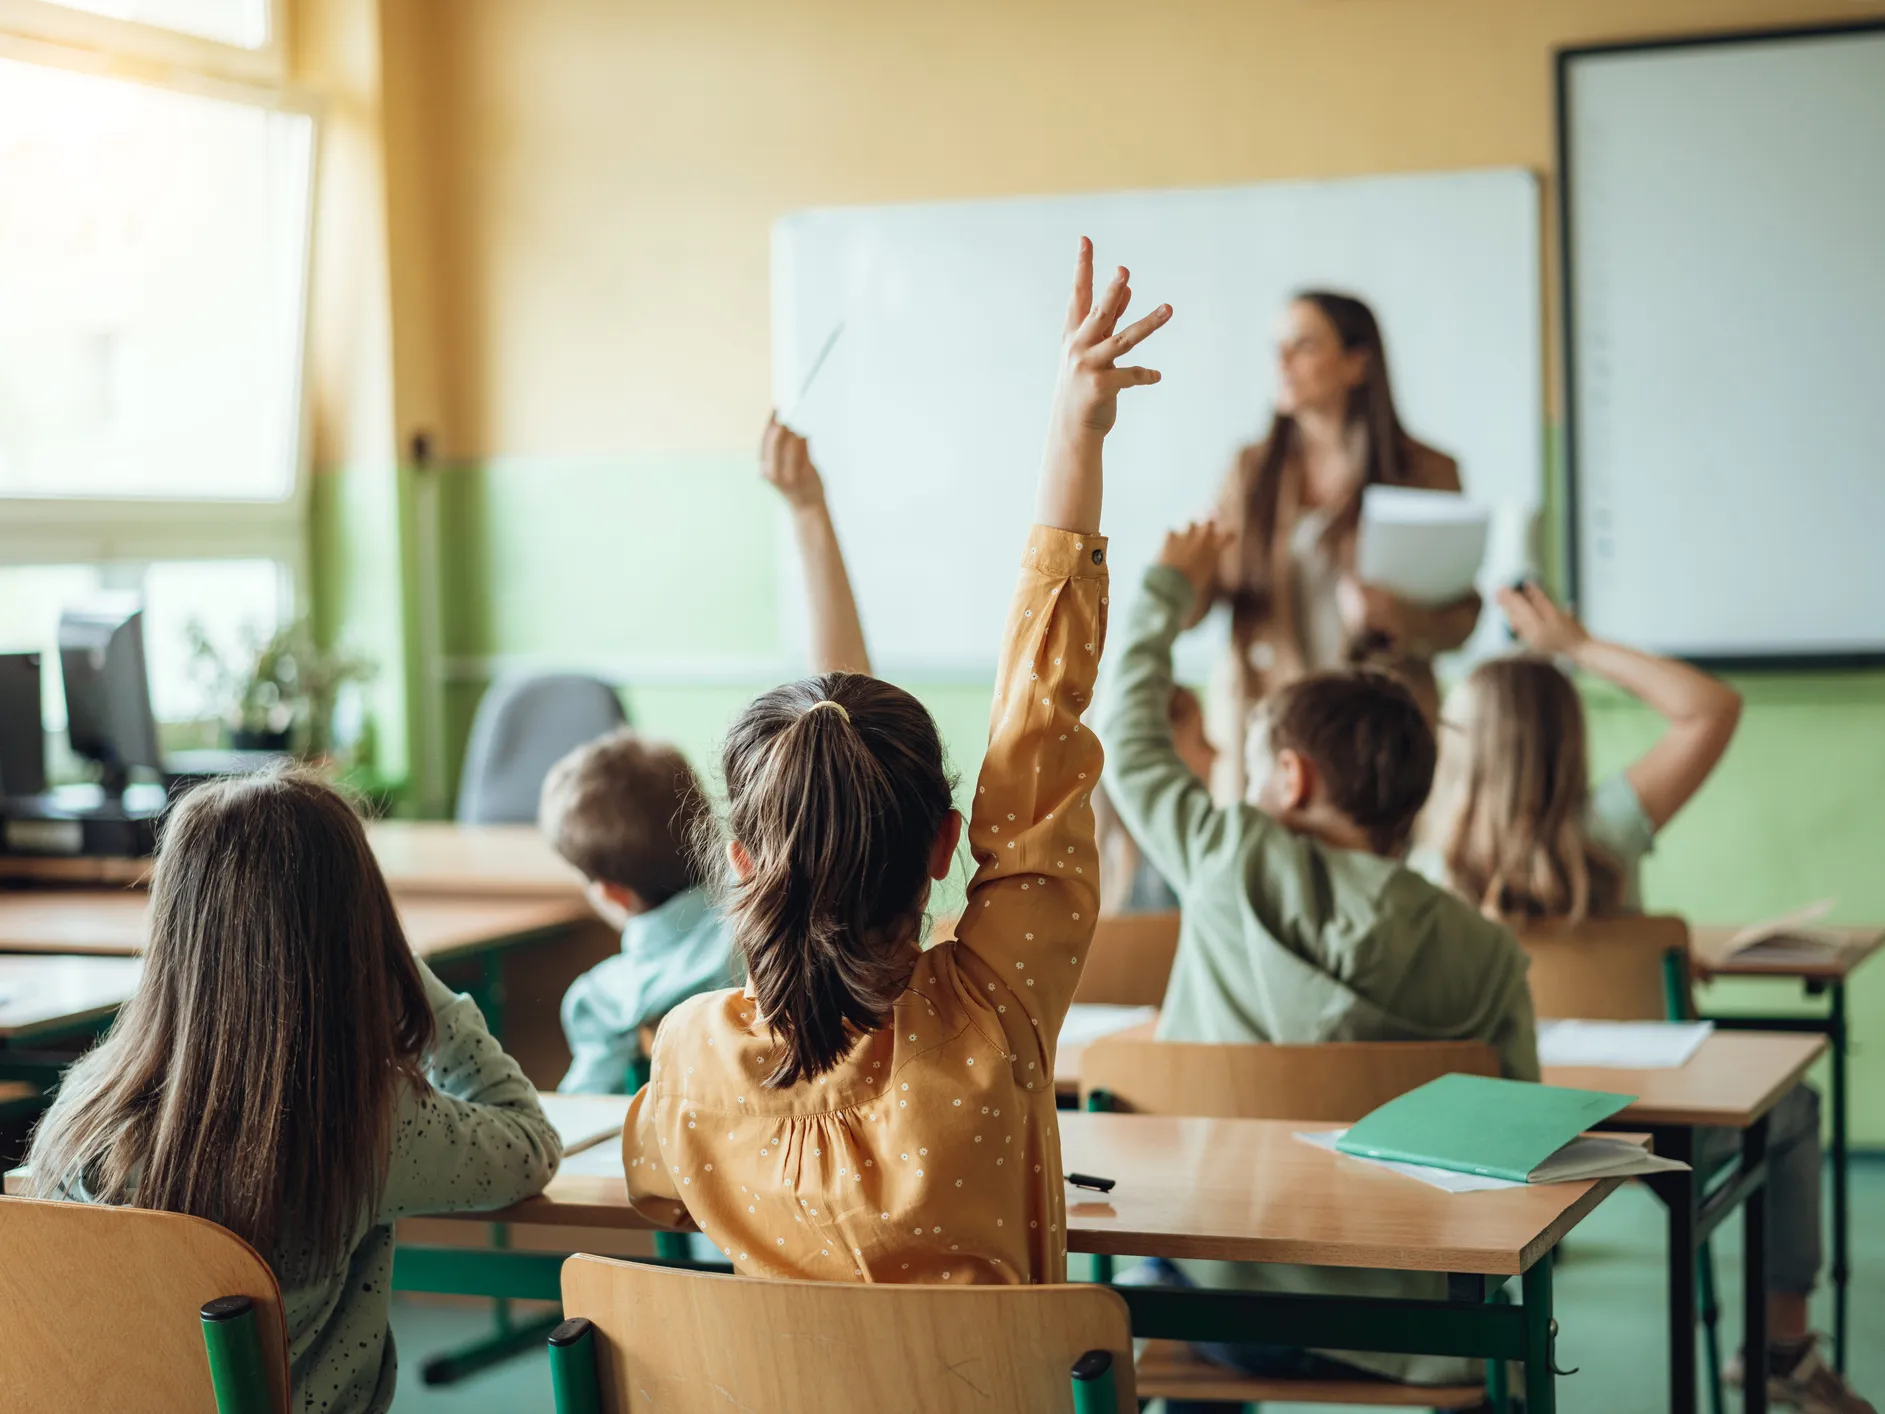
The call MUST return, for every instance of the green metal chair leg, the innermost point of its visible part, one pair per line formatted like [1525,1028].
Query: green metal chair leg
[672,1246]
[1100,1266]
[236,1371]
[573,1376]
[1711,1327]
[1094,1388]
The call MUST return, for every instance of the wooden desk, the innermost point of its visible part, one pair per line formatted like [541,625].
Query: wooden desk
[1815,978]
[1241,1190]
[430,856]
[114,922]
[40,994]
[1731,1081]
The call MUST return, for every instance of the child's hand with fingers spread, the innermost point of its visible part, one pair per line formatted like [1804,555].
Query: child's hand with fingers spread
[785,462]
[1086,397]
[1194,551]
[1543,626]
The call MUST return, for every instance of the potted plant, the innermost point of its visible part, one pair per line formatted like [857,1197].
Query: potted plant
[278,694]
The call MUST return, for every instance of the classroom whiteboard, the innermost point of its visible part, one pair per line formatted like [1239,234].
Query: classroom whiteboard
[928,417]
[1725,231]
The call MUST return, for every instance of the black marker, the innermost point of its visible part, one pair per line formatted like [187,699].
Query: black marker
[1087,1180]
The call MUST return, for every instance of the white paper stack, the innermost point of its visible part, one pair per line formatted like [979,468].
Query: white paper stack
[1586,1157]
[1424,546]
[1621,1045]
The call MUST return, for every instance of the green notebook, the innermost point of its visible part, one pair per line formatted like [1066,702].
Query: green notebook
[1474,1124]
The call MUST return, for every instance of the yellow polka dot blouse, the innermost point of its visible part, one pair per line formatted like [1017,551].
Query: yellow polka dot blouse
[932,1153]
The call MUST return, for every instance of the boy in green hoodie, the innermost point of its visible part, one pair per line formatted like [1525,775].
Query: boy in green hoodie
[1301,924]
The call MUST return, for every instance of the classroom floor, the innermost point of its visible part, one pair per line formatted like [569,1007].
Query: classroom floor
[1610,1285]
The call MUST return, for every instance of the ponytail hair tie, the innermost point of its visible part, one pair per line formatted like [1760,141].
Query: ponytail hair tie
[837,707]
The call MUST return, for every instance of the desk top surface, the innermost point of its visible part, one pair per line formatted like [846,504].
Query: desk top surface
[1857,944]
[430,856]
[1733,1079]
[1236,1189]
[49,992]
[113,922]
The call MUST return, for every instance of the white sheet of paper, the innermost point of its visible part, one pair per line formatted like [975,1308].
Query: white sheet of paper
[1425,546]
[1088,1021]
[1447,1179]
[583,1120]
[1621,1045]
[597,1161]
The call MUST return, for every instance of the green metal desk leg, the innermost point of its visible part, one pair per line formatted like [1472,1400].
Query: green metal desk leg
[1711,1325]
[1540,1382]
[1099,1265]
[236,1371]
[1842,1239]
[573,1375]
[1094,1389]
[1498,1385]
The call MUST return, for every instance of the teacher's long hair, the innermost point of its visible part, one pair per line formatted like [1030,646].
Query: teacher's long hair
[1260,469]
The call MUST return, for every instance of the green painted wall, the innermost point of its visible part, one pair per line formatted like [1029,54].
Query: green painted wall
[656,561]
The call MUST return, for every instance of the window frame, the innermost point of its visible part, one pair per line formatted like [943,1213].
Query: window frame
[133,42]
[47,530]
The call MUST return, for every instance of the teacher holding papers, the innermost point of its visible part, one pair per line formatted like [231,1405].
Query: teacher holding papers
[1293,502]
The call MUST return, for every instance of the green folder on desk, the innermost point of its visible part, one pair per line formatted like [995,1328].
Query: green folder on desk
[1506,1129]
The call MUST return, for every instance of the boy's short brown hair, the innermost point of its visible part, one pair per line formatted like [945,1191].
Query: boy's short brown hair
[1368,739]
[622,809]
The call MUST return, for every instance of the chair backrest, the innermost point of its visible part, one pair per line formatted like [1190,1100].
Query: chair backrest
[682,1342]
[1610,969]
[1337,1081]
[100,1306]
[523,725]
[1130,960]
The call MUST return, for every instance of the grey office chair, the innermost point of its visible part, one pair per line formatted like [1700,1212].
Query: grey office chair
[523,725]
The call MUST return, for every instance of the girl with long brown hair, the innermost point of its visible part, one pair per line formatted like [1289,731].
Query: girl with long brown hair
[289,1070]
[1520,830]
[1292,502]
[1524,835]
[866,1110]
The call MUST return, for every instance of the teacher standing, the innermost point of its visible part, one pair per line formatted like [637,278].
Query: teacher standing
[1292,503]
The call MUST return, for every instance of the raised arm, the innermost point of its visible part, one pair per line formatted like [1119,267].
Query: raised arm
[1701,711]
[837,633]
[1031,905]
[1164,806]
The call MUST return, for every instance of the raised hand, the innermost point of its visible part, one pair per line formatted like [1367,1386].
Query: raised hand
[1090,379]
[1086,395]
[1545,627]
[785,463]
[1195,550]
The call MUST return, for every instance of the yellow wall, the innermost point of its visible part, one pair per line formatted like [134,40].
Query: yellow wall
[609,168]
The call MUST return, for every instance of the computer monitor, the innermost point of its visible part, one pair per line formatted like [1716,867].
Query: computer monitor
[107,691]
[22,732]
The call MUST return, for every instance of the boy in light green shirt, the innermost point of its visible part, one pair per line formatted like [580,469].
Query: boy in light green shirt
[1300,922]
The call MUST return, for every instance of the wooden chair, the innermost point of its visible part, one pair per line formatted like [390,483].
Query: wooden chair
[651,1338]
[122,1308]
[1337,1082]
[1130,960]
[1610,969]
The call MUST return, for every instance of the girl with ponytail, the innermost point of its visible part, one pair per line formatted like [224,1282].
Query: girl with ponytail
[865,1109]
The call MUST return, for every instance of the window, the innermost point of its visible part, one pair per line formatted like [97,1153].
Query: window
[153,246]
[154,252]
[245,23]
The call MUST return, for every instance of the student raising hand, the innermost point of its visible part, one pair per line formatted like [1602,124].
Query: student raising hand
[1195,551]
[785,464]
[1701,711]
[1086,398]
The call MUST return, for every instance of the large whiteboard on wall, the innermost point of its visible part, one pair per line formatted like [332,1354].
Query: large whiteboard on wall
[927,418]
[1725,207]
